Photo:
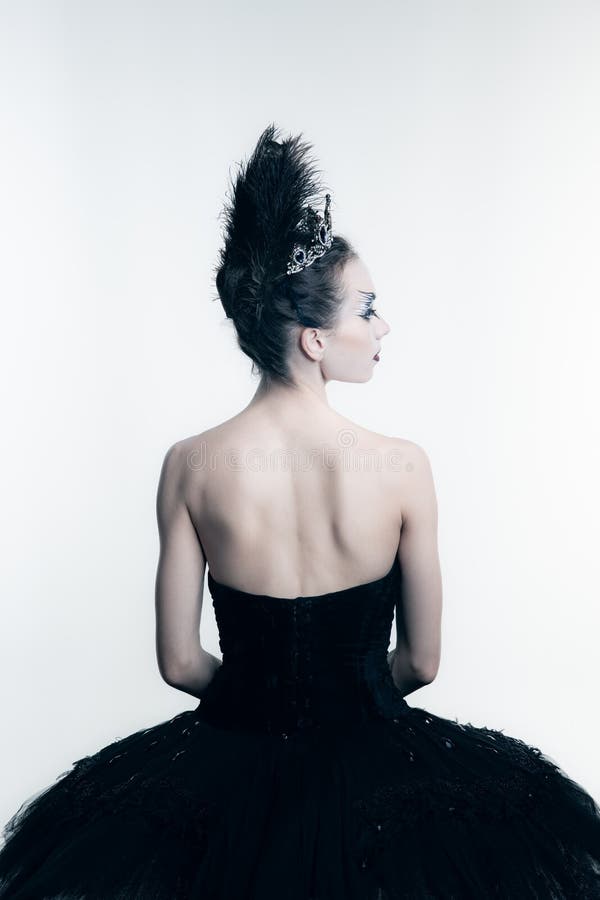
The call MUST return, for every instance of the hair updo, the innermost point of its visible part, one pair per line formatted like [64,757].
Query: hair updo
[261,215]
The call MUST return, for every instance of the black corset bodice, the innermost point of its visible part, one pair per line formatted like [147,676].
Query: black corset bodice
[304,662]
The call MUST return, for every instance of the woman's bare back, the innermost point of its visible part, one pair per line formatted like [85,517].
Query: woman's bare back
[294,506]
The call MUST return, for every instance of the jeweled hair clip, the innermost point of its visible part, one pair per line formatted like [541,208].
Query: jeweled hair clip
[319,236]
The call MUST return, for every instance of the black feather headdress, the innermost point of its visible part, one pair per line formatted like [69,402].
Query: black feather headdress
[268,215]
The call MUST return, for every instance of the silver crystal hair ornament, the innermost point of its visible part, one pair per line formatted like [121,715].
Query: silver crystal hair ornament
[319,236]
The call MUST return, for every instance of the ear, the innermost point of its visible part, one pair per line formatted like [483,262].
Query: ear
[313,343]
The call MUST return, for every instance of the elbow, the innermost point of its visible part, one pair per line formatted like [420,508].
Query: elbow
[426,670]
[173,673]
[179,670]
[171,677]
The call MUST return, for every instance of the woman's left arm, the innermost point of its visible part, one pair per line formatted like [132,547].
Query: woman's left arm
[182,661]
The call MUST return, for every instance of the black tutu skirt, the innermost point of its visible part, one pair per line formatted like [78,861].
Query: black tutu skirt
[303,774]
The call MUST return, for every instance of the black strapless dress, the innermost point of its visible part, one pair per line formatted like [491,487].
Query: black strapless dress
[303,774]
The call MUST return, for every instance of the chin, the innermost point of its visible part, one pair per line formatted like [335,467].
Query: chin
[354,379]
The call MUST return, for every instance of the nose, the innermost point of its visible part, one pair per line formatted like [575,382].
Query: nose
[383,327]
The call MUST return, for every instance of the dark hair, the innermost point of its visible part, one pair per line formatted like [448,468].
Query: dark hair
[266,304]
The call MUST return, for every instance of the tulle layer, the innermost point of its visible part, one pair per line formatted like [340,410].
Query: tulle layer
[416,807]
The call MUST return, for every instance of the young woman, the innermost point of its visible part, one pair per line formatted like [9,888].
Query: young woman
[303,773]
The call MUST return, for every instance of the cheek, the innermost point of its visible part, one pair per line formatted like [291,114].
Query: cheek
[351,349]
[355,336]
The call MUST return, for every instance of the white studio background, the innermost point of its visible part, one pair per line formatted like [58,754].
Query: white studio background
[461,141]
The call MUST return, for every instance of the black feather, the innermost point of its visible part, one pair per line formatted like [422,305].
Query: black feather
[263,208]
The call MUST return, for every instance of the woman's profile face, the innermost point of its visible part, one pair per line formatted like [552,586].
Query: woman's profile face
[357,336]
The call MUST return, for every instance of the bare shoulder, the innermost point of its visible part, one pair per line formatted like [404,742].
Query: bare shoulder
[415,478]
[190,460]
[218,436]
[411,457]
[188,457]
[366,437]
[401,454]
[172,477]
[409,475]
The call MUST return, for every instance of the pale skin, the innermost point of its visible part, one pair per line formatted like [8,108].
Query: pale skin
[289,498]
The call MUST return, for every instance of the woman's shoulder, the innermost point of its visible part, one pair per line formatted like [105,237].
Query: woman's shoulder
[237,426]
[404,460]
[211,436]
[197,452]
[217,448]
[409,449]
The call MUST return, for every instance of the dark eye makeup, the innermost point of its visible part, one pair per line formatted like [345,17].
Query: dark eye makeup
[370,312]
[366,306]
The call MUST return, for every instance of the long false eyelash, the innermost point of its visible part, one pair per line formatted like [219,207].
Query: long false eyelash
[370,311]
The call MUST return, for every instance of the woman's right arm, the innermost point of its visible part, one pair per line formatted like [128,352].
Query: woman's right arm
[415,660]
